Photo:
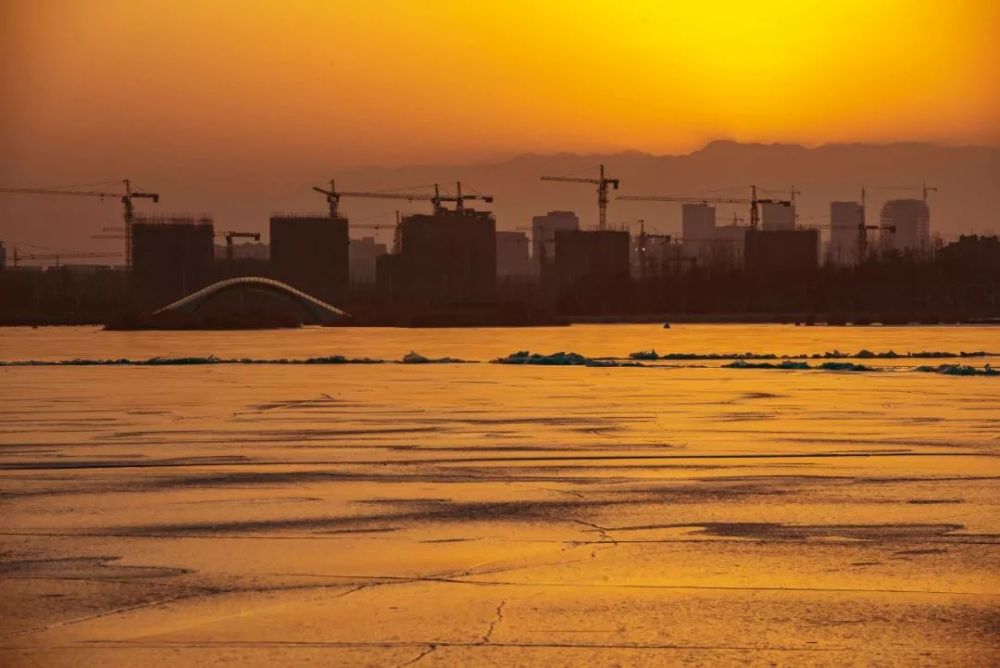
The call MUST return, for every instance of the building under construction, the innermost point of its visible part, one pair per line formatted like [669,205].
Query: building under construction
[513,261]
[364,254]
[172,256]
[543,238]
[310,252]
[592,267]
[445,258]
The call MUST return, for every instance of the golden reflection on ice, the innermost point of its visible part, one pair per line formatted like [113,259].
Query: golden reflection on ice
[484,514]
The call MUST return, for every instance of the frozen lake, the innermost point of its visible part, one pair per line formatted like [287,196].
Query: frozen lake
[471,514]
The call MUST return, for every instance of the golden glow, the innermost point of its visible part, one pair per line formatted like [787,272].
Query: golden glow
[449,80]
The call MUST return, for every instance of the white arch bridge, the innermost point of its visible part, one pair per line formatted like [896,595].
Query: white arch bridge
[323,313]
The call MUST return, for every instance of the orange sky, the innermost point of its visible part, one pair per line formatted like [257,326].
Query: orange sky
[106,85]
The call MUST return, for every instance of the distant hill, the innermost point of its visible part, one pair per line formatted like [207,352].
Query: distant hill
[967,178]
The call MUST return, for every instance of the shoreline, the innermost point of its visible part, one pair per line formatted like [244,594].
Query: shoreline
[805,320]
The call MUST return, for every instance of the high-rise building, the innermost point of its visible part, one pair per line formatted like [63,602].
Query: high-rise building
[449,257]
[912,221]
[697,230]
[591,258]
[364,253]
[512,255]
[311,253]
[543,236]
[724,250]
[655,255]
[846,219]
[777,216]
[171,257]
[3,256]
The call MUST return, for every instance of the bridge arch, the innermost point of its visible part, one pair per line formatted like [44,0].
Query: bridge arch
[320,310]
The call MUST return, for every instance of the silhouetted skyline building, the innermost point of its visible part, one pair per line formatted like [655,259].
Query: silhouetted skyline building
[656,255]
[697,230]
[707,245]
[777,216]
[725,249]
[251,250]
[513,260]
[364,254]
[973,254]
[846,219]
[591,259]
[912,220]
[449,257]
[781,251]
[389,276]
[543,236]
[3,256]
[311,253]
[171,257]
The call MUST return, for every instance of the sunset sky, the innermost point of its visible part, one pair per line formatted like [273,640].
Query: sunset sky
[214,98]
[396,82]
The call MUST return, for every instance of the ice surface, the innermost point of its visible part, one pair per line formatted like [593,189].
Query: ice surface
[436,515]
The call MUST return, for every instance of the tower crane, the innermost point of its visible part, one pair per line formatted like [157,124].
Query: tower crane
[602,192]
[923,188]
[128,212]
[754,201]
[792,192]
[864,227]
[71,255]
[437,199]
[230,235]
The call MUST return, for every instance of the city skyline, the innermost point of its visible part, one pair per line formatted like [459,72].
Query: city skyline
[965,178]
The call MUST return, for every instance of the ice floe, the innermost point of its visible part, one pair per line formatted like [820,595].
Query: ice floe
[560,359]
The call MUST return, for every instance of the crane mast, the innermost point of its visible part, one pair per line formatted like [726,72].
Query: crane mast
[863,227]
[602,183]
[754,201]
[437,199]
[128,208]
[230,235]
[71,255]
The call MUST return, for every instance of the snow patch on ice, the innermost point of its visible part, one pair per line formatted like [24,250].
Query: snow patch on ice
[652,355]
[416,358]
[790,364]
[959,370]
[785,364]
[559,359]
[189,361]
